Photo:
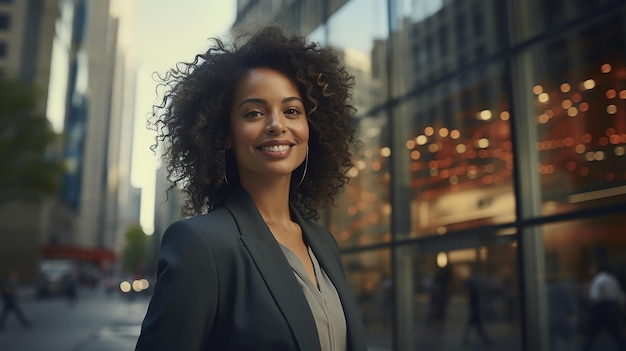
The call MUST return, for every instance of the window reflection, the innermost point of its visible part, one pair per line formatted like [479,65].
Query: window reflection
[369,277]
[580,112]
[571,250]
[362,213]
[457,143]
[465,295]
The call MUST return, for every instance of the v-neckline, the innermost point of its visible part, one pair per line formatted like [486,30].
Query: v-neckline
[301,271]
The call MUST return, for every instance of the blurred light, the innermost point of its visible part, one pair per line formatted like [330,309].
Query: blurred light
[429,131]
[443,132]
[442,260]
[587,137]
[505,115]
[421,139]
[543,98]
[360,164]
[385,152]
[353,172]
[368,153]
[145,284]
[376,166]
[125,286]
[583,106]
[580,148]
[484,115]
[455,134]
[543,118]
[589,156]
[584,171]
[589,84]
[137,286]
[433,147]
[567,103]
[410,144]
[483,143]
[461,148]
[577,97]
[611,109]
[622,94]
[415,155]
[598,155]
[611,93]
[565,87]
[441,230]
[537,89]
[572,111]
[619,151]
[605,68]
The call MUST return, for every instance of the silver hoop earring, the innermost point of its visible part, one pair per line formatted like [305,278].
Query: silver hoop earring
[306,164]
[225,172]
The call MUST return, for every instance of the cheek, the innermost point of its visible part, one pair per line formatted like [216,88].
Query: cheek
[303,132]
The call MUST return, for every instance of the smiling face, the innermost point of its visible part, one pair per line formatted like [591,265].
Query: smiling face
[269,127]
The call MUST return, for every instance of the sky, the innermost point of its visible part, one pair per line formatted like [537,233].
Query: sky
[168,32]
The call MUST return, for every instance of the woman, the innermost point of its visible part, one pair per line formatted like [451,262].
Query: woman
[259,136]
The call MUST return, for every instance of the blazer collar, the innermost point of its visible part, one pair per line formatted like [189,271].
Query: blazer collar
[274,267]
[331,264]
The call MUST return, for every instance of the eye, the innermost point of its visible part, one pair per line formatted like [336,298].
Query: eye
[292,111]
[252,114]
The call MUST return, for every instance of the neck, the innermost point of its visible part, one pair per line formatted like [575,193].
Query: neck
[271,199]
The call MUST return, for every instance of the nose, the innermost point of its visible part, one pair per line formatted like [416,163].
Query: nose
[275,124]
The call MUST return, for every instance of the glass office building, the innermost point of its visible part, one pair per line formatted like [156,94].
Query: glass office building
[493,173]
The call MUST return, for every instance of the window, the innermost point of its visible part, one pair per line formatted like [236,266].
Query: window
[3,48]
[5,21]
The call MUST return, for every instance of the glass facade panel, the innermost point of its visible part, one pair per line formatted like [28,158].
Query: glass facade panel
[464,293]
[369,277]
[355,29]
[433,39]
[578,90]
[535,17]
[572,248]
[362,215]
[457,151]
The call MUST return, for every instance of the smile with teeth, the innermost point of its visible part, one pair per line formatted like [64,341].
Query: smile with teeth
[275,148]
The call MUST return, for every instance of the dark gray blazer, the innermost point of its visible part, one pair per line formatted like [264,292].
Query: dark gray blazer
[223,283]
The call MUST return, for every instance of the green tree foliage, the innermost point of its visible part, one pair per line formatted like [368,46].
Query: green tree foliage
[135,250]
[28,170]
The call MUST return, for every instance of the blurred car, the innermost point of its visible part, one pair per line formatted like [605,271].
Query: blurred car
[54,277]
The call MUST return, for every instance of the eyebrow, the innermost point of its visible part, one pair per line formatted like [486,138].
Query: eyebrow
[264,102]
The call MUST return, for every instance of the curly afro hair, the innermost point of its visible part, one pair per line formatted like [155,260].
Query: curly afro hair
[192,119]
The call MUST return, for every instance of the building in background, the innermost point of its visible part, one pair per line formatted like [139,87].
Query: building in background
[80,53]
[494,165]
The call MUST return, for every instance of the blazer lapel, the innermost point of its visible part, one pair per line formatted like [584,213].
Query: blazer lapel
[328,261]
[275,269]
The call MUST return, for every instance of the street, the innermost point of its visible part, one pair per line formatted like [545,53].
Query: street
[95,322]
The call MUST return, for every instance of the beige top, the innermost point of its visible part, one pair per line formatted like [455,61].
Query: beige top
[323,300]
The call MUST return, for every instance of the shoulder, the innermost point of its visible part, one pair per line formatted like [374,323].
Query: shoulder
[216,229]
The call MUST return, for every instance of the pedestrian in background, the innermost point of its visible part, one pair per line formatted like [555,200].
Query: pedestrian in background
[259,134]
[607,300]
[10,301]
